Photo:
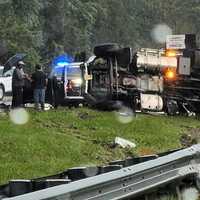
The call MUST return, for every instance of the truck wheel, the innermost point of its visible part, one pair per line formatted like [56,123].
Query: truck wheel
[104,49]
[1,92]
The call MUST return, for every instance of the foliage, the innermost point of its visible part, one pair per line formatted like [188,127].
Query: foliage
[48,28]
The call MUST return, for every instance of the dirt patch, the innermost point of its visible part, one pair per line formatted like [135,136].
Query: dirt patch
[146,151]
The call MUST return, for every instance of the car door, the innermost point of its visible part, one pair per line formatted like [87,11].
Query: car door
[73,81]
[6,80]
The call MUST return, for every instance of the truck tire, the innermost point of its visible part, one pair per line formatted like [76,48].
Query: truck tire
[1,92]
[104,50]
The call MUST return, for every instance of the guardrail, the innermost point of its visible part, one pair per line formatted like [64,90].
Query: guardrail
[129,180]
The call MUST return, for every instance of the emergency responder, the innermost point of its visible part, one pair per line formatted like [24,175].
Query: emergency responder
[17,85]
[39,85]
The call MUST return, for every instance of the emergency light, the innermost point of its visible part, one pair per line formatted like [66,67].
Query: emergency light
[170,74]
[171,53]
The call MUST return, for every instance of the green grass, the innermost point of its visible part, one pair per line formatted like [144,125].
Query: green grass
[58,139]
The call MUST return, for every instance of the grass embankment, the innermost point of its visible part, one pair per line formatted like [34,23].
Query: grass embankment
[56,140]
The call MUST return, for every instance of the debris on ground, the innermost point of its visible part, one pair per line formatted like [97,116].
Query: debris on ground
[146,151]
[47,106]
[124,143]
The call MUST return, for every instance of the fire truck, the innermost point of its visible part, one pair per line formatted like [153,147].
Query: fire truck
[165,79]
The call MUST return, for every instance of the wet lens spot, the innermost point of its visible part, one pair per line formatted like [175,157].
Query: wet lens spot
[19,116]
[124,115]
[160,32]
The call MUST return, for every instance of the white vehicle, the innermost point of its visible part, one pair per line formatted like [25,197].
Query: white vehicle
[6,84]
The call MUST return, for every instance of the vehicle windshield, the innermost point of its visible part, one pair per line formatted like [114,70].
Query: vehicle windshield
[8,73]
[73,72]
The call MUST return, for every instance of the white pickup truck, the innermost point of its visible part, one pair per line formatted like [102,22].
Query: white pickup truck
[6,84]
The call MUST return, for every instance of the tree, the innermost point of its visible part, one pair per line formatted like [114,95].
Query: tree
[48,28]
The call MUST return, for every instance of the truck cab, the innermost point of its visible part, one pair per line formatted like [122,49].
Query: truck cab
[108,78]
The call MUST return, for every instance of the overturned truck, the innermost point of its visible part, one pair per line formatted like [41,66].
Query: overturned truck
[148,80]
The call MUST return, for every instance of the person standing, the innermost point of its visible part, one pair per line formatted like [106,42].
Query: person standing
[17,85]
[39,85]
